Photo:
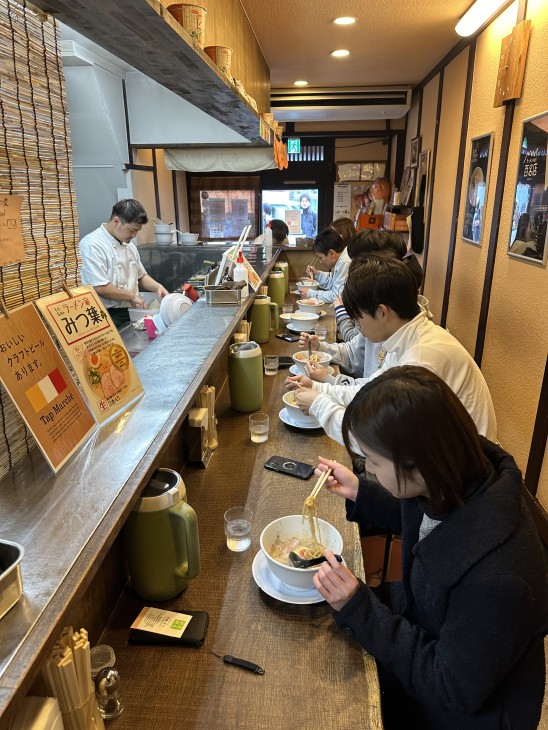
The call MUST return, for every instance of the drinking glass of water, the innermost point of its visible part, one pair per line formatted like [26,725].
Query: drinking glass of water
[258,427]
[238,528]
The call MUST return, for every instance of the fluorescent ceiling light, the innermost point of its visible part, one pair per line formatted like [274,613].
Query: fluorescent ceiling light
[300,83]
[476,15]
[340,53]
[344,21]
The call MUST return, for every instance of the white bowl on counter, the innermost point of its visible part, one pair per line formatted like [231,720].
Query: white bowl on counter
[293,526]
[295,413]
[301,359]
[163,228]
[308,284]
[305,321]
[188,239]
[164,239]
[314,308]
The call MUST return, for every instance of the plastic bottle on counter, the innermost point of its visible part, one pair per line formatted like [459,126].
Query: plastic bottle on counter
[268,242]
[241,274]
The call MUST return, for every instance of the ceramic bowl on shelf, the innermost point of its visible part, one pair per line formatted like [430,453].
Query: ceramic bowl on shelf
[188,239]
[164,239]
[301,358]
[293,526]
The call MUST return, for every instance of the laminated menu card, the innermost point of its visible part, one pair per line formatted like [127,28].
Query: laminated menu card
[94,348]
[41,386]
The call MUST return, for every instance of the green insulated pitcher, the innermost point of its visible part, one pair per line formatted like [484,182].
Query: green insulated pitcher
[276,287]
[161,539]
[260,316]
[245,376]
[283,266]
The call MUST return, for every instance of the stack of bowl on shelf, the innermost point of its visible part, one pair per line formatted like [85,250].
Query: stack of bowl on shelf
[164,234]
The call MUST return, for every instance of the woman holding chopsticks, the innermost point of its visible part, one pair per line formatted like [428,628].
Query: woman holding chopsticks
[460,641]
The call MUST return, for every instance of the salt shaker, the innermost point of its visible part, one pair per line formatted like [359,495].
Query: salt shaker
[107,692]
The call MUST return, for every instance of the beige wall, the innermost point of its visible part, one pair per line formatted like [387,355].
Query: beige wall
[516,341]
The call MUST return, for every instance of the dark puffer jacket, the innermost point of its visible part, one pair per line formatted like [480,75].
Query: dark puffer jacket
[464,634]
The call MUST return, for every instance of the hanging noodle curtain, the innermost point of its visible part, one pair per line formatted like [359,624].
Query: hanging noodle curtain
[220,159]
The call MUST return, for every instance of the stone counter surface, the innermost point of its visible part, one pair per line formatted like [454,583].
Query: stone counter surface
[66,523]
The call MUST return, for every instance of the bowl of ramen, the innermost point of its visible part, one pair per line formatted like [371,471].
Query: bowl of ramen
[308,284]
[107,371]
[310,305]
[304,321]
[293,533]
[301,358]
[295,412]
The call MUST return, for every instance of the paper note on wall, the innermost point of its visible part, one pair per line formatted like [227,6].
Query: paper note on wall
[12,246]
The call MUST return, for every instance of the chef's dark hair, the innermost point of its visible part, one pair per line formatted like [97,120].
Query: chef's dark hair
[328,239]
[280,230]
[130,211]
[376,279]
[410,416]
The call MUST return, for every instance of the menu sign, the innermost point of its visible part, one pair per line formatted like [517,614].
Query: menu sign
[42,388]
[94,347]
[12,246]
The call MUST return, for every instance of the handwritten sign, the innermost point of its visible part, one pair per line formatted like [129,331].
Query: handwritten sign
[94,348]
[41,386]
[342,201]
[12,246]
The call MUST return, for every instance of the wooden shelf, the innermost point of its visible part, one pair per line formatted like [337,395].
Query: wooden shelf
[143,34]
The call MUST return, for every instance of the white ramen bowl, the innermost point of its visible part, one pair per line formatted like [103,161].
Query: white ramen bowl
[308,284]
[293,526]
[301,358]
[304,320]
[315,308]
[164,239]
[188,239]
[295,412]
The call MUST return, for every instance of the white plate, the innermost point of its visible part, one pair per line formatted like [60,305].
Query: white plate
[192,243]
[293,370]
[295,328]
[267,581]
[286,418]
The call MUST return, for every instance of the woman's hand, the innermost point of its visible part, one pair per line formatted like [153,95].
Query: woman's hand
[342,480]
[305,398]
[293,382]
[316,371]
[335,582]
[305,338]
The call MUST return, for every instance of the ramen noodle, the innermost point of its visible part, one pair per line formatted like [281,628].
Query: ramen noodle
[107,371]
[305,547]
[303,357]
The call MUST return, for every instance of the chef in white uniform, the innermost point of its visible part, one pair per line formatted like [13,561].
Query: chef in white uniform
[111,262]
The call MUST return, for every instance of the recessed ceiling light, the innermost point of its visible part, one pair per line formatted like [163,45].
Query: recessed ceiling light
[340,53]
[345,21]
[300,83]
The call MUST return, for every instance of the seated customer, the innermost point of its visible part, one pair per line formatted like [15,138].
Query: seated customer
[459,642]
[112,265]
[280,231]
[330,249]
[381,296]
[344,226]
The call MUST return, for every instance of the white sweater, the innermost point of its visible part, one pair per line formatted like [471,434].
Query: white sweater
[419,342]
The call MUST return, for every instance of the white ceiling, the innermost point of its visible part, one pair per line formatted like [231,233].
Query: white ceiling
[394,43]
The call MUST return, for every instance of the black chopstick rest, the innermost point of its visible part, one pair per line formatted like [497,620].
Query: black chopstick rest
[229,659]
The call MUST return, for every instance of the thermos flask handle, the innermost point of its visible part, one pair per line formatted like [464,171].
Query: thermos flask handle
[274,307]
[184,512]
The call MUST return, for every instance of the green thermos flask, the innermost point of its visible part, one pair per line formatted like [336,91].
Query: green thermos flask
[283,266]
[276,287]
[260,316]
[245,376]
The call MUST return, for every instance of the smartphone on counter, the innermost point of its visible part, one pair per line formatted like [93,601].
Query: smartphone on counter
[293,468]
[165,628]
[288,338]
[284,361]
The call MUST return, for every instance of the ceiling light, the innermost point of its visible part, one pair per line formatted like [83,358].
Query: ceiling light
[344,21]
[476,15]
[340,53]
[300,83]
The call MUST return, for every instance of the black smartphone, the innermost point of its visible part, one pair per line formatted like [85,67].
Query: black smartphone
[284,361]
[289,338]
[193,635]
[293,468]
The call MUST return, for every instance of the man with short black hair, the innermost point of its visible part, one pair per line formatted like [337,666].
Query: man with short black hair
[330,250]
[111,262]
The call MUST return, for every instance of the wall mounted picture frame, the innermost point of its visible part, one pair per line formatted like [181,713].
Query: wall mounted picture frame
[529,227]
[476,190]
[407,182]
[415,149]
[423,178]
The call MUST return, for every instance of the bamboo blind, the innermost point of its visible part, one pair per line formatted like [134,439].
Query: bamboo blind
[36,163]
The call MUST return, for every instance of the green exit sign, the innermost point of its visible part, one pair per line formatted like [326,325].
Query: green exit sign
[293,146]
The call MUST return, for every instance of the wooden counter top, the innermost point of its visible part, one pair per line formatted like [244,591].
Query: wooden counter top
[299,646]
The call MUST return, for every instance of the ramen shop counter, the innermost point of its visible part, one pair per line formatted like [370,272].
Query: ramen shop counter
[67,523]
[315,676]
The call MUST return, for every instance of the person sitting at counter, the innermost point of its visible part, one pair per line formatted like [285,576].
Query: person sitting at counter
[345,226]
[381,296]
[459,642]
[280,232]
[330,249]
[112,265]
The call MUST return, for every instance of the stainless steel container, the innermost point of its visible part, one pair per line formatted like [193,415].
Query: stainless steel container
[11,585]
[218,295]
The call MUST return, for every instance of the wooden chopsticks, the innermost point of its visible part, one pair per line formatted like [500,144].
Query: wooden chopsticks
[309,501]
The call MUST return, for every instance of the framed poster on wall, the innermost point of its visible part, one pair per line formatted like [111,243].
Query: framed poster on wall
[528,231]
[476,191]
